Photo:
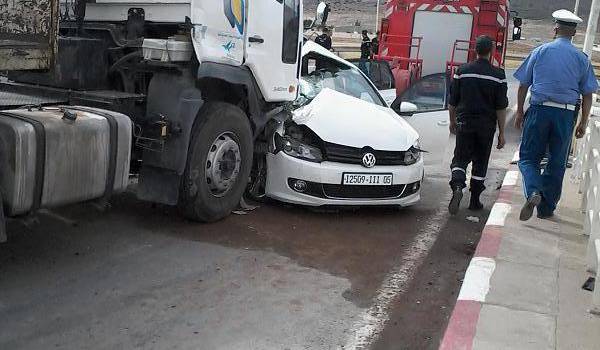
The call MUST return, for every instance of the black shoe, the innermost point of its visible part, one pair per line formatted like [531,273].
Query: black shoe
[545,216]
[527,210]
[475,204]
[454,205]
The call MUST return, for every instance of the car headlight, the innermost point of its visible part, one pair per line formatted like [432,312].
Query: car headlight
[297,149]
[413,154]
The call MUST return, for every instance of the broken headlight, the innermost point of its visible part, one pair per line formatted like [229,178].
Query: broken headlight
[299,142]
[300,150]
[413,154]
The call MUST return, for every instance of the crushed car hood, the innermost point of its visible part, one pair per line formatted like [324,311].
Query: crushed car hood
[349,121]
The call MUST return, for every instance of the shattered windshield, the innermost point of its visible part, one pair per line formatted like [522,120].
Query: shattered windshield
[319,72]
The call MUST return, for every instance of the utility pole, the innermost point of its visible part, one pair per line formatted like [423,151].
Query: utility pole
[377,18]
[576,7]
[590,34]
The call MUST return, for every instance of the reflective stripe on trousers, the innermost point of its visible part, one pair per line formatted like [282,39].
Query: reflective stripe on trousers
[472,146]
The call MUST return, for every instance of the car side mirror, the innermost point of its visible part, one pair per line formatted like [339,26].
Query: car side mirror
[404,108]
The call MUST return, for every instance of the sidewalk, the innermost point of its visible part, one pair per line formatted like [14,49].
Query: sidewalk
[522,289]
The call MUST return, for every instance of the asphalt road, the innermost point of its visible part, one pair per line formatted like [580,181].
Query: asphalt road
[280,277]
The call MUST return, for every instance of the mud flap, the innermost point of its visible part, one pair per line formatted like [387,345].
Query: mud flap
[3,236]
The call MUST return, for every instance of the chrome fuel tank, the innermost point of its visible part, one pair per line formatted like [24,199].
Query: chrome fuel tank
[55,156]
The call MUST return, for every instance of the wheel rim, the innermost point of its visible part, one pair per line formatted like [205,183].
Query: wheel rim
[223,164]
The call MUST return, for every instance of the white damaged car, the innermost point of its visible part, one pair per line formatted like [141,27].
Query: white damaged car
[342,144]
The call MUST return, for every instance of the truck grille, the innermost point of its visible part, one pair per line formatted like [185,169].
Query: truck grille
[352,155]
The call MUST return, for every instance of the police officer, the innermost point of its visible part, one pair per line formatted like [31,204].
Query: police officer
[478,103]
[557,74]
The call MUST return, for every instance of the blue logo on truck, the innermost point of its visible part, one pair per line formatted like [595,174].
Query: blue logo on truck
[235,13]
[229,46]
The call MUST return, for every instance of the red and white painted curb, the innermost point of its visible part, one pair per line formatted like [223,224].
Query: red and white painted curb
[461,329]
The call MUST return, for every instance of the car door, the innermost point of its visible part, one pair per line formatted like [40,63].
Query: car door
[273,40]
[431,119]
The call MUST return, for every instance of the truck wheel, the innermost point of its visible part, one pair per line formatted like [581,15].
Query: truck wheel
[219,163]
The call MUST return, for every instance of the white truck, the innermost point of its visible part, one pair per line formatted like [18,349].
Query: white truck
[200,80]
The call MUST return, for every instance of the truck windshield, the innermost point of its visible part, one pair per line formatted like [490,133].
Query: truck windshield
[291,31]
[339,77]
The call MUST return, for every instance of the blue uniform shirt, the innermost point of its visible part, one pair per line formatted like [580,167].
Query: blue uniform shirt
[557,72]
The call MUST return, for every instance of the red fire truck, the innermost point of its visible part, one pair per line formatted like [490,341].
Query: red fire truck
[422,37]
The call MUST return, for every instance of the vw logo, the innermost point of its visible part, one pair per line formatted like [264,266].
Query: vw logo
[369,160]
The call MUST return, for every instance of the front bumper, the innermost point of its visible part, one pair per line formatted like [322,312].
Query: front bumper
[324,183]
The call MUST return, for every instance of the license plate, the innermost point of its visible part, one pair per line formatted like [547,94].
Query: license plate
[360,179]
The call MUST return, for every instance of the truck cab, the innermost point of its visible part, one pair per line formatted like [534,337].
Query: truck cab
[199,79]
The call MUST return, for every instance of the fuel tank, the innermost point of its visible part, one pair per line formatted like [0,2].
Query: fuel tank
[61,155]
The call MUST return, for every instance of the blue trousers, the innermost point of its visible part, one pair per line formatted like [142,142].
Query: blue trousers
[546,129]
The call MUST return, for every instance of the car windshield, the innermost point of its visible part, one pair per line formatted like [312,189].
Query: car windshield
[321,73]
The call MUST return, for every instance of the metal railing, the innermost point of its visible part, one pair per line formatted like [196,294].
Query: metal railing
[412,45]
[587,170]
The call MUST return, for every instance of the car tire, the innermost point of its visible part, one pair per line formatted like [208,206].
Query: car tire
[222,135]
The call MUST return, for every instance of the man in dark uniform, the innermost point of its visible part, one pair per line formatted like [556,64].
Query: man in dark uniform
[375,45]
[478,103]
[365,52]
[324,39]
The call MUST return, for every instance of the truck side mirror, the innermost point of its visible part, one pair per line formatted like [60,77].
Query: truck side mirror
[320,11]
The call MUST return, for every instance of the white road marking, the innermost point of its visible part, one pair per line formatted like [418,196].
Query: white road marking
[438,7]
[500,19]
[423,7]
[372,321]
[511,178]
[498,214]
[476,284]
[466,9]
[451,8]
[516,157]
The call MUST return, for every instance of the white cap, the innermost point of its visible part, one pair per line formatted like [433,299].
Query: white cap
[566,17]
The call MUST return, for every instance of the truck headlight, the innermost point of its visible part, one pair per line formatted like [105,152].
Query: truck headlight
[413,154]
[297,149]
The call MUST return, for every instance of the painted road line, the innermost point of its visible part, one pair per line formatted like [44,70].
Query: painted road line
[372,321]
[516,157]
[511,178]
[462,326]
[498,214]
[476,284]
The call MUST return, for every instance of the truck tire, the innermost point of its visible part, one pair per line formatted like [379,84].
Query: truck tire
[219,163]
